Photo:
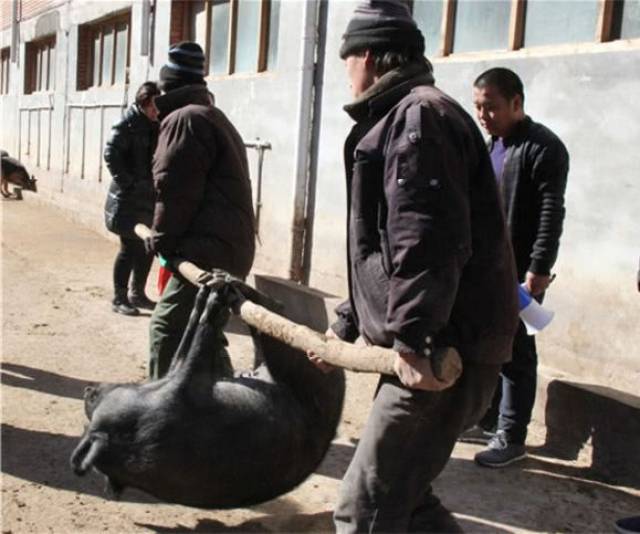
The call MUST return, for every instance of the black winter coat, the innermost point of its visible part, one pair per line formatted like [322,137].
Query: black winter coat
[533,183]
[128,155]
[204,207]
[428,250]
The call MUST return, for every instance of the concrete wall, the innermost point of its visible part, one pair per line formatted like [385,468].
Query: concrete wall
[60,134]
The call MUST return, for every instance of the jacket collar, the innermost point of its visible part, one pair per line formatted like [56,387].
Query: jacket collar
[389,90]
[518,133]
[178,98]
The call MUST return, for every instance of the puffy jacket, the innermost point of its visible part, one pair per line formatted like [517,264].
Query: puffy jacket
[128,155]
[533,183]
[429,255]
[204,210]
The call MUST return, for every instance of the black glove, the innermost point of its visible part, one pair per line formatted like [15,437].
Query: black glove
[150,245]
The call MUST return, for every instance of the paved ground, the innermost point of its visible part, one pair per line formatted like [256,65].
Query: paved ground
[59,334]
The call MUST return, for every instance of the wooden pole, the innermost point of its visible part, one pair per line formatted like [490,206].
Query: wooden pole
[446,364]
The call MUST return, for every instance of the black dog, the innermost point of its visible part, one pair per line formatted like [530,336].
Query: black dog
[14,172]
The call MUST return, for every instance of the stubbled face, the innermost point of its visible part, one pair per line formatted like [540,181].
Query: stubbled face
[495,113]
[360,73]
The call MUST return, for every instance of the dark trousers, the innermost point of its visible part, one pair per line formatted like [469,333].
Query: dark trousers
[131,258]
[405,444]
[168,322]
[515,394]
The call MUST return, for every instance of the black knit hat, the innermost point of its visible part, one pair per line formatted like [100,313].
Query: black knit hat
[185,66]
[382,25]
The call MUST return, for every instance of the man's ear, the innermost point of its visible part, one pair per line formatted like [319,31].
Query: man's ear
[516,103]
[368,59]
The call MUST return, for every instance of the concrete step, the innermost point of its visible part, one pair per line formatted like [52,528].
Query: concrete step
[590,421]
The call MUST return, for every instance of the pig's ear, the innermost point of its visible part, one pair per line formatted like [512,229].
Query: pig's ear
[87,452]
[91,398]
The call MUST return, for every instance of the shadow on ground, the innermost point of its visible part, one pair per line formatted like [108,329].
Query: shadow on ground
[43,458]
[577,413]
[534,494]
[318,522]
[21,376]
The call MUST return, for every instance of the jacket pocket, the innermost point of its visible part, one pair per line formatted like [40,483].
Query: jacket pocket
[366,198]
[371,297]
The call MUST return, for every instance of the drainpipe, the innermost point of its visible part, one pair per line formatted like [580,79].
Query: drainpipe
[144,32]
[314,29]
[15,32]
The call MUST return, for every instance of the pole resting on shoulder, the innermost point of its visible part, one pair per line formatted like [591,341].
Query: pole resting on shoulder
[258,310]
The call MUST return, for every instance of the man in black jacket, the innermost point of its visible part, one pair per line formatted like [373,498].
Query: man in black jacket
[429,265]
[531,165]
[203,211]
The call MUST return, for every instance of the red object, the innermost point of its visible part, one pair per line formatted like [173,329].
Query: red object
[164,275]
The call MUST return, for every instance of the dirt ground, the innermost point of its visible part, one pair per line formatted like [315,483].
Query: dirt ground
[59,334]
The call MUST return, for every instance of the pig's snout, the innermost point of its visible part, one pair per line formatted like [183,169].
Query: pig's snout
[87,451]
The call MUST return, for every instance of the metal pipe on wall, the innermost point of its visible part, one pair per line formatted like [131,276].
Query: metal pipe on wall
[144,33]
[314,143]
[15,32]
[303,140]
[260,146]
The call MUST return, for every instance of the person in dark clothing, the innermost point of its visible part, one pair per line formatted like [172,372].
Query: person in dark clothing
[130,200]
[203,211]
[531,165]
[429,266]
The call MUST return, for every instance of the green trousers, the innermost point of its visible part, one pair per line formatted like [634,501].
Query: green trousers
[168,323]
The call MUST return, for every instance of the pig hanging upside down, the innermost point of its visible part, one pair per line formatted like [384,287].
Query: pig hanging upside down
[14,172]
[201,437]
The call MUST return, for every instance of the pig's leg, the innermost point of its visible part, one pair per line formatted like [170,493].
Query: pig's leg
[207,359]
[192,325]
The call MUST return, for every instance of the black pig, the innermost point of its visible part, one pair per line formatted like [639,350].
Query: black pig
[201,438]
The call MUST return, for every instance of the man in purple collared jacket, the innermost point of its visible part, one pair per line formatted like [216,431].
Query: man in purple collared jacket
[531,165]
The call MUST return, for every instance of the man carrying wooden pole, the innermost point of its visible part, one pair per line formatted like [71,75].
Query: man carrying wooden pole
[430,266]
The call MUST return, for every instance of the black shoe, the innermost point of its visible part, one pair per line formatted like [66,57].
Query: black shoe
[124,307]
[141,301]
[500,453]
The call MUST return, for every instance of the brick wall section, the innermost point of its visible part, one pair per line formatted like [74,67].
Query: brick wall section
[31,8]
[6,12]
[179,11]
[26,9]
